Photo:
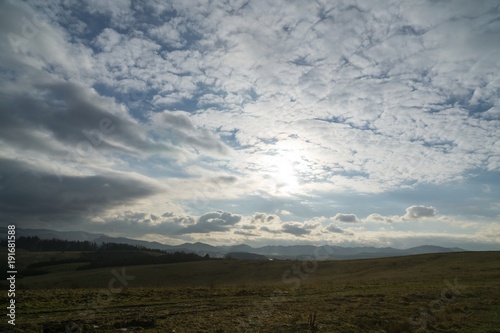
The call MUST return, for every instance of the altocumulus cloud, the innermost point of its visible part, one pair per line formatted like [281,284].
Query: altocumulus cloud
[113,113]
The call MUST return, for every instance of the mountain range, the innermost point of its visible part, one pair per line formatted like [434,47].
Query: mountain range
[269,251]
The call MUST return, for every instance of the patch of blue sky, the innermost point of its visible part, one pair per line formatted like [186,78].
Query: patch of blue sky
[479,108]
[139,103]
[198,102]
[474,108]
[444,146]
[332,119]
[94,24]
[186,104]
[156,167]
[352,174]
[270,141]
[471,196]
[230,138]
[251,204]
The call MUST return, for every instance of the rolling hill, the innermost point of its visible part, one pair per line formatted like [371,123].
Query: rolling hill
[271,251]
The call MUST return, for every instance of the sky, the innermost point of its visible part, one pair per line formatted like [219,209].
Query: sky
[349,123]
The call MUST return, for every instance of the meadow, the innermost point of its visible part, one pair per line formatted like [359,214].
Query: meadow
[451,292]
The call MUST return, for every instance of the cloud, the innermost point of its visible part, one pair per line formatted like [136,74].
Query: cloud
[294,229]
[298,229]
[245,233]
[29,194]
[272,231]
[375,217]
[178,128]
[170,226]
[285,212]
[263,218]
[170,33]
[335,229]
[347,218]
[212,222]
[418,212]
[414,212]
[119,12]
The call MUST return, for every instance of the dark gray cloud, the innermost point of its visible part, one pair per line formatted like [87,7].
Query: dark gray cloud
[178,127]
[85,124]
[248,227]
[335,229]
[29,194]
[271,231]
[212,222]
[295,229]
[375,217]
[224,180]
[347,218]
[261,218]
[245,233]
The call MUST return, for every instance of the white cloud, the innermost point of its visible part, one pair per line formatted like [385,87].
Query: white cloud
[108,39]
[120,12]
[170,33]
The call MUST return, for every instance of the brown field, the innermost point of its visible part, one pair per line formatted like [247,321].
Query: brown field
[453,292]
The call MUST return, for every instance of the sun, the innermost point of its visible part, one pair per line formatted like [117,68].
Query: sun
[286,177]
[281,172]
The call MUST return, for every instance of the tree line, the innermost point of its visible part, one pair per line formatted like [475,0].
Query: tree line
[35,243]
[95,255]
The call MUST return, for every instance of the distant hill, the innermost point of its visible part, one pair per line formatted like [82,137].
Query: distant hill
[270,251]
[431,249]
[49,234]
[245,256]
[151,245]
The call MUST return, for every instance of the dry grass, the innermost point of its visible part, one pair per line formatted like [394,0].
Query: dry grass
[377,295]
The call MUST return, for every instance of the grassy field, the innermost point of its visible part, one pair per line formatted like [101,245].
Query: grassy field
[455,292]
